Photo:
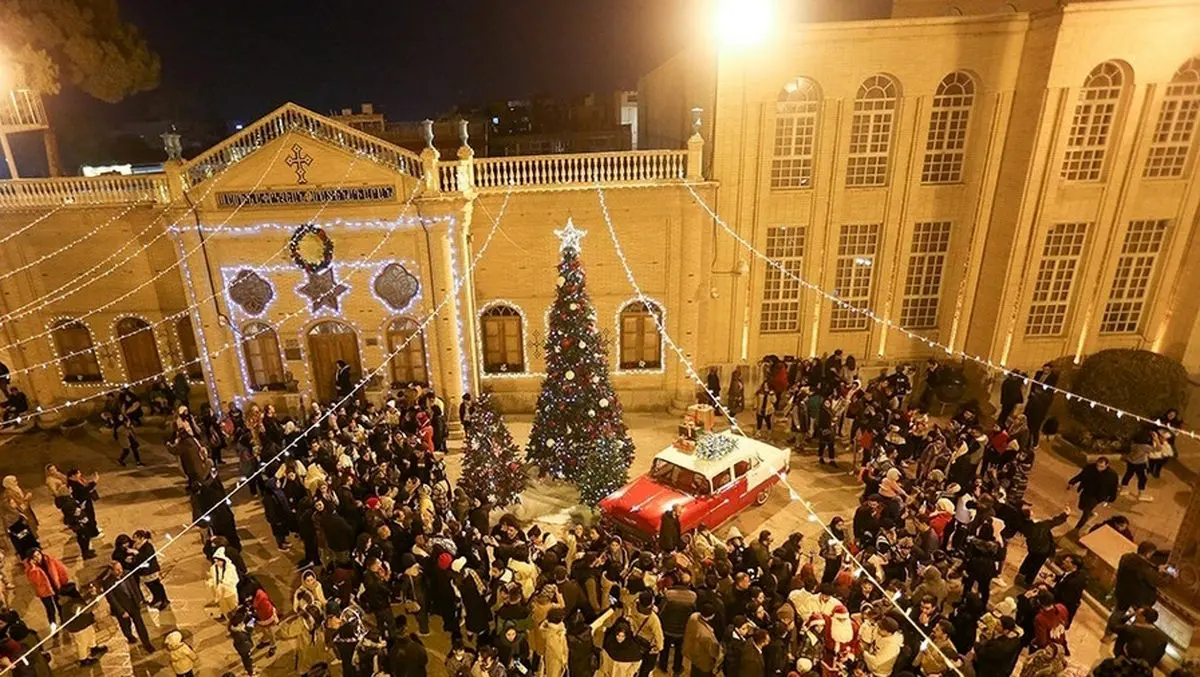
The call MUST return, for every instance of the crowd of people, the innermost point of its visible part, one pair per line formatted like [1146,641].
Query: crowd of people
[388,552]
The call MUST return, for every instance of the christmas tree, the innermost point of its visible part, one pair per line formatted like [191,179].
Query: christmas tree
[491,469]
[579,432]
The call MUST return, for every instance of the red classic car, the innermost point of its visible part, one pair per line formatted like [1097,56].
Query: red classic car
[707,491]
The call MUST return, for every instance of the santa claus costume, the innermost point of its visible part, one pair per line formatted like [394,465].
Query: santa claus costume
[841,642]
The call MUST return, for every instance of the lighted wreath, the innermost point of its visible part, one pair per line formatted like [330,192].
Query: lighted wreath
[311,248]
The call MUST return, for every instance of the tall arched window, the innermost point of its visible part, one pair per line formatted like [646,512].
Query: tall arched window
[503,340]
[641,343]
[947,142]
[188,352]
[73,344]
[1091,127]
[871,132]
[795,134]
[260,347]
[408,365]
[139,349]
[1175,134]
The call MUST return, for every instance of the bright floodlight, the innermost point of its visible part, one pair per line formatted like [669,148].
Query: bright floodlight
[743,23]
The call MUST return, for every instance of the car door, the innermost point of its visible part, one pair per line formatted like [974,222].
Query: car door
[742,469]
[726,499]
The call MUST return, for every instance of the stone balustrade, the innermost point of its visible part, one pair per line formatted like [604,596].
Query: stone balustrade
[81,191]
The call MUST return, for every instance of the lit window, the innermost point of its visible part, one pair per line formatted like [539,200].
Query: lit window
[1135,273]
[503,340]
[408,365]
[260,346]
[855,271]
[1091,127]
[871,132]
[947,143]
[641,343]
[781,291]
[1175,133]
[795,134]
[189,354]
[72,338]
[923,284]
[1055,279]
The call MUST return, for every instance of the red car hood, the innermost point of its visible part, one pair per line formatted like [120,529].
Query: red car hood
[641,504]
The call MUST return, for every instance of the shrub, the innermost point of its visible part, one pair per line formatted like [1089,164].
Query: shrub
[1138,381]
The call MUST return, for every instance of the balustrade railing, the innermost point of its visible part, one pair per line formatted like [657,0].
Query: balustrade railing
[448,177]
[97,190]
[615,168]
[289,118]
[21,109]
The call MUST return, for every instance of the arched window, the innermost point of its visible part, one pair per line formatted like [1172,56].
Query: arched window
[795,134]
[408,365]
[947,142]
[1175,134]
[871,132]
[72,338]
[503,340]
[260,347]
[188,352]
[641,343]
[1091,127]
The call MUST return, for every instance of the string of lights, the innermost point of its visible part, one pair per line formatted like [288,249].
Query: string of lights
[860,570]
[170,539]
[894,326]
[87,276]
[236,341]
[55,252]
[32,223]
[179,261]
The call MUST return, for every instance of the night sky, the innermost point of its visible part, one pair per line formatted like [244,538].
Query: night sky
[412,59]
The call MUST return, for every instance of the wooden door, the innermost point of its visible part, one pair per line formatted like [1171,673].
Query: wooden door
[329,342]
[138,350]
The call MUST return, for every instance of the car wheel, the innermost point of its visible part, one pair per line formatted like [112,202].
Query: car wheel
[762,497]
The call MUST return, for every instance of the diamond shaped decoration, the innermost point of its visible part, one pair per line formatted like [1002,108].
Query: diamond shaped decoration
[251,292]
[395,286]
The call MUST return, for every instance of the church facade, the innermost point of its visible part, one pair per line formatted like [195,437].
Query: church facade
[1015,185]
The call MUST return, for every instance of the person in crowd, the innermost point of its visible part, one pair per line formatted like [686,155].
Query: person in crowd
[1142,639]
[128,440]
[47,576]
[1137,461]
[80,624]
[1012,394]
[16,406]
[183,658]
[736,397]
[125,602]
[1069,585]
[1097,486]
[763,410]
[1137,581]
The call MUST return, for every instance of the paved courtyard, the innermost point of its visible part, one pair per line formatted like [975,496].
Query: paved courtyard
[153,497]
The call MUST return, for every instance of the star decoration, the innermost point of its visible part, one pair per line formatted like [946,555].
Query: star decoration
[569,237]
[323,290]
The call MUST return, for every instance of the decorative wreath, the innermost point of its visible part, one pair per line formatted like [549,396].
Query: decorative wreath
[311,248]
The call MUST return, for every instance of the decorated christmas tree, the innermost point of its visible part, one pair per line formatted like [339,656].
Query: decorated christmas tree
[579,431]
[491,469]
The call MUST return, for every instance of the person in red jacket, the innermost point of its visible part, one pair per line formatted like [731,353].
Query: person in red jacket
[1050,623]
[47,575]
[266,617]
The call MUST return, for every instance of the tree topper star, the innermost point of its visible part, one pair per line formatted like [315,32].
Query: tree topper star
[569,237]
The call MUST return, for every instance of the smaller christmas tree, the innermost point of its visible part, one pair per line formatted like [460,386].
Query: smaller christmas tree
[604,468]
[491,469]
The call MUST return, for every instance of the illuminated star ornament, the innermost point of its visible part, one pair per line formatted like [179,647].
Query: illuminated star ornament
[323,290]
[569,237]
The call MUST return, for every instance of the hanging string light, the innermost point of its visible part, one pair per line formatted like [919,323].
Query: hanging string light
[170,539]
[32,223]
[888,324]
[687,365]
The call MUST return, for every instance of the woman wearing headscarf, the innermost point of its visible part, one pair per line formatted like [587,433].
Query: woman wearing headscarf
[621,653]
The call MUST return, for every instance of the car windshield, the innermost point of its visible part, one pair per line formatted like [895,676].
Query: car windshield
[677,477]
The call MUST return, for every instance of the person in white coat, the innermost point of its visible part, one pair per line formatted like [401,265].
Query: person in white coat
[223,581]
[881,645]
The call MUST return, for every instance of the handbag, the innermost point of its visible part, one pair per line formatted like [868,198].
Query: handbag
[411,606]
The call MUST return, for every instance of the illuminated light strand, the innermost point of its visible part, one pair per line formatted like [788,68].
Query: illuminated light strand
[31,224]
[243,481]
[992,366]
[40,302]
[687,365]
[49,255]
[258,228]
[150,327]
[154,278]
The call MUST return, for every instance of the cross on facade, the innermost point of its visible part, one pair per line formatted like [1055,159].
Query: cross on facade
[299,162]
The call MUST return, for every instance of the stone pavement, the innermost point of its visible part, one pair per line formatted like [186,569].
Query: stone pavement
[154,498]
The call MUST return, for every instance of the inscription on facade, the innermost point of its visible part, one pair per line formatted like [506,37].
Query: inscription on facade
[287,196]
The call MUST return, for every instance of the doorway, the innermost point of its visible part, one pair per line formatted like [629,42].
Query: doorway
[328,342]
[138,349]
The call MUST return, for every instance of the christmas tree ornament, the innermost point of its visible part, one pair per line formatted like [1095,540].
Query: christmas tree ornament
[570,375]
